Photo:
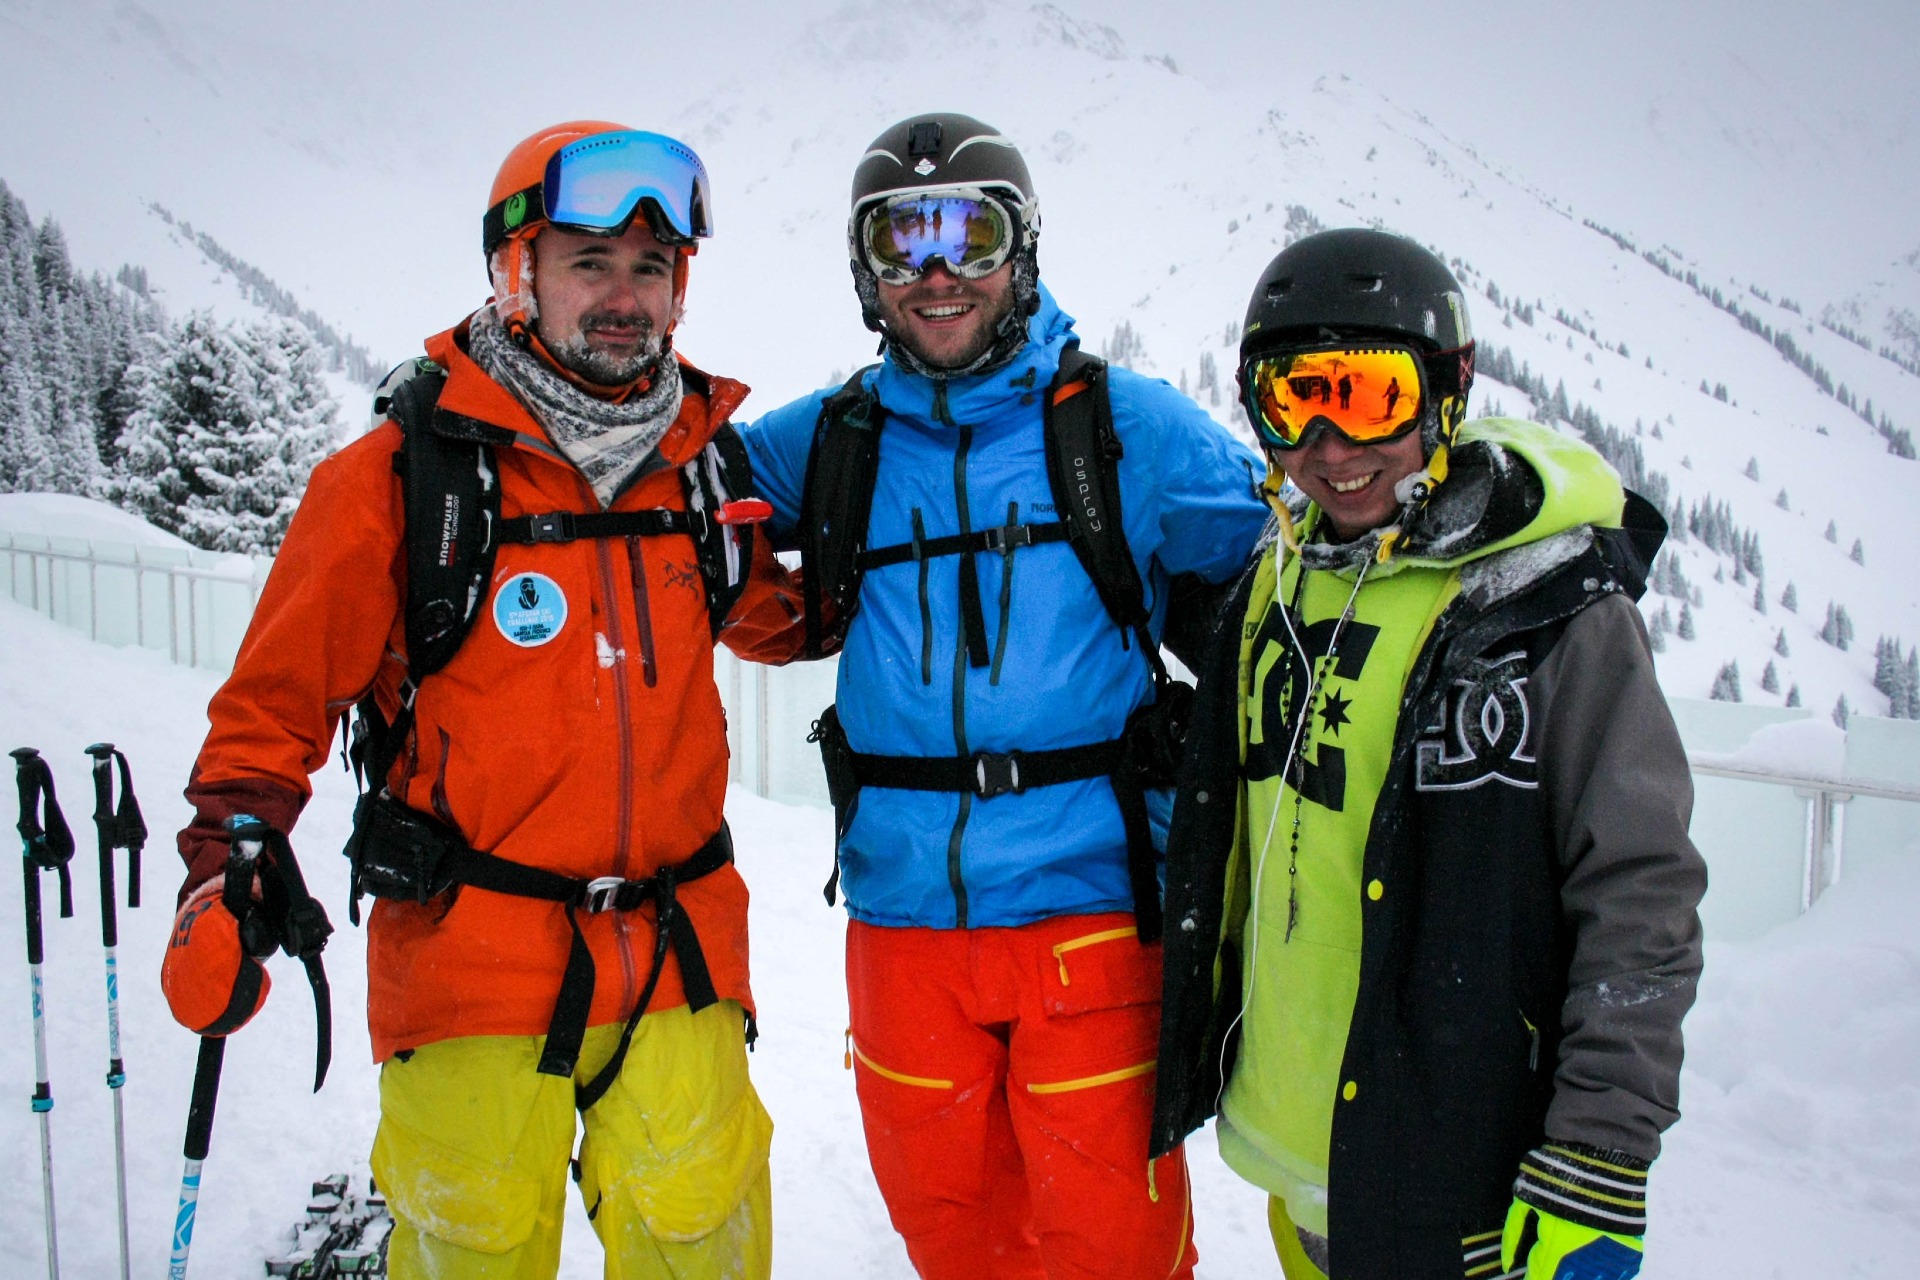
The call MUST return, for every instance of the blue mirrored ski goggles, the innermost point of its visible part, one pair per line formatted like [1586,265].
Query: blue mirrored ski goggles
[598,184]
[971,233]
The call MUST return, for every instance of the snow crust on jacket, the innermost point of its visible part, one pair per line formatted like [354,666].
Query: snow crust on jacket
[969,453]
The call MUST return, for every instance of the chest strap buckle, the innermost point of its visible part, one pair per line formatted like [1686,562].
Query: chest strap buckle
[997,773]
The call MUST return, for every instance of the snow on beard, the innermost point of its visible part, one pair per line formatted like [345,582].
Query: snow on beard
[603,368]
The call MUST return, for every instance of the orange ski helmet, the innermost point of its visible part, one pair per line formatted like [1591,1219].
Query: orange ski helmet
[623,173]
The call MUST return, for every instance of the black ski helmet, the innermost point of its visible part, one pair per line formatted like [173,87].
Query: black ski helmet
[941,151]
[1356,283]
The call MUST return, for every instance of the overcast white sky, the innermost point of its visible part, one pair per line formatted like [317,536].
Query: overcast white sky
[1610,104]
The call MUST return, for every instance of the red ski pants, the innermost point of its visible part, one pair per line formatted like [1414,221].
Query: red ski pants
[1006,1085]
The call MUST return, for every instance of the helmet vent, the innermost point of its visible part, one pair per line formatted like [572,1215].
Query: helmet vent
[1280,288]
[924,139]
[1366,283]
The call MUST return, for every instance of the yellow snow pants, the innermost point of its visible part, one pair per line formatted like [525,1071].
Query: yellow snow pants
[1294,1263]
[473,1146]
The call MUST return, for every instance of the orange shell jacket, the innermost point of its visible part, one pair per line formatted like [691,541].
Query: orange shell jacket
[601,751]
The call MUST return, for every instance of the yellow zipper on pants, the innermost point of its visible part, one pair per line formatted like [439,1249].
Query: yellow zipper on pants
[1074,944]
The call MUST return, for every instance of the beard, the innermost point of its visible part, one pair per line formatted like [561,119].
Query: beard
[993,314]
[604,368]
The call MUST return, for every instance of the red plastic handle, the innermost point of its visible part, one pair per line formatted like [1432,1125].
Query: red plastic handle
[745,511]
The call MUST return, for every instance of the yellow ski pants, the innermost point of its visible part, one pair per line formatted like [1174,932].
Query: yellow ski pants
[473,1146]
[1294,1263]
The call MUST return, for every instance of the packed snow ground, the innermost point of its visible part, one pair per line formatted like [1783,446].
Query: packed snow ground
[1799,1155]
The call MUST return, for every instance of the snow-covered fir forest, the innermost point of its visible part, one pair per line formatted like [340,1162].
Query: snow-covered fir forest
[205,427]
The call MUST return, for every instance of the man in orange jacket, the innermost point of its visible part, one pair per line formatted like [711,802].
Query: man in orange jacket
[556,786]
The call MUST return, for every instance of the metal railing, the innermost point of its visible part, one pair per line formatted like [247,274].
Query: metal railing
[1825,849]
[198,644]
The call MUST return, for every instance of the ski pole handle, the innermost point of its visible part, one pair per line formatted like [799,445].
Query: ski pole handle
[206,1089]
[104,825]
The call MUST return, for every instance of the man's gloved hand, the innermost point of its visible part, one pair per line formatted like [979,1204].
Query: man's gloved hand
[213,985]
[1578,1213]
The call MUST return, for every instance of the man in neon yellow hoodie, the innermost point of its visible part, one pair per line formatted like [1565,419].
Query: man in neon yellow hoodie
[1431,902]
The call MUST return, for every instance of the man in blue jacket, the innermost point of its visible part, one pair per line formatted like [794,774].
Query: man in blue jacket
[997,704]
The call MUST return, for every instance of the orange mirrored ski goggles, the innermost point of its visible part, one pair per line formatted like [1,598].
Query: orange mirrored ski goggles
[1368,394]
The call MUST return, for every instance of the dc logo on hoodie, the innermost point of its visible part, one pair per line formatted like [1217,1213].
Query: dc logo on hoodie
[529,609]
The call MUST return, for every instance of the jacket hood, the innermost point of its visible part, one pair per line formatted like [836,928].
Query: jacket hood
[984,396]
[1509,483]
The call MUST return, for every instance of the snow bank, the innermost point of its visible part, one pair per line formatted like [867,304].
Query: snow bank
[60,515]
[1799,1153]
[1810,748]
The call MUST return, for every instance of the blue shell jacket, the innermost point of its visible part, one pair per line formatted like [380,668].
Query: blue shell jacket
[1061,675]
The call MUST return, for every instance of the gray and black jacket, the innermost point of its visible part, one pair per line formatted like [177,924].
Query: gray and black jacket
[1526,979]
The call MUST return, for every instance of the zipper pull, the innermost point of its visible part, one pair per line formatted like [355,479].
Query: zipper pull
[1153,1189]
[1059,956]
[848,1060]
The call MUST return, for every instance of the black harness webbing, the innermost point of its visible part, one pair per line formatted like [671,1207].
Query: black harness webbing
[463,865]
[989,773]
[1128,762]
[999,540]
[572,526]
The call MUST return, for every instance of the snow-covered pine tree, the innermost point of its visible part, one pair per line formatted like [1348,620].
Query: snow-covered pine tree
[1793,696]
[1686,631]
[1770,679]
[1759,597]
[1833,531]
[1726,683]
[228,423]
[1790,599]
[1780,643]
[1781,501]
[1859,553]
[1841,712]
[1753,469]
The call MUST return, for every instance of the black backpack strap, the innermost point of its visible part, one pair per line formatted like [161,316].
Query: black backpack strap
[835,506]
[450,497]
[720,475]
[1083,466]
[572,526]
[1000,539]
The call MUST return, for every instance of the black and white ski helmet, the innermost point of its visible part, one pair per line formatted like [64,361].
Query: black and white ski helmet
[937,152]
[1355,283]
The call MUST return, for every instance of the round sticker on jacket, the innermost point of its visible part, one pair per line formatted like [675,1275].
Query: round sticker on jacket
[529,609]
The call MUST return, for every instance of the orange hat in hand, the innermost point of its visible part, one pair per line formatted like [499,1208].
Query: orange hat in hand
[213,985]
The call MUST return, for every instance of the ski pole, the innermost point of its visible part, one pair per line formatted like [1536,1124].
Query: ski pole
[236,894]
[127,830]
[48,846]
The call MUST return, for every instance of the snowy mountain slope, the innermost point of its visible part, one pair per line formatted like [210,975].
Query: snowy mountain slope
[1795,1157]
[353,172]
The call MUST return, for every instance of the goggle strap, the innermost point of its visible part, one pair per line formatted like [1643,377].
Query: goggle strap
[494,228]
